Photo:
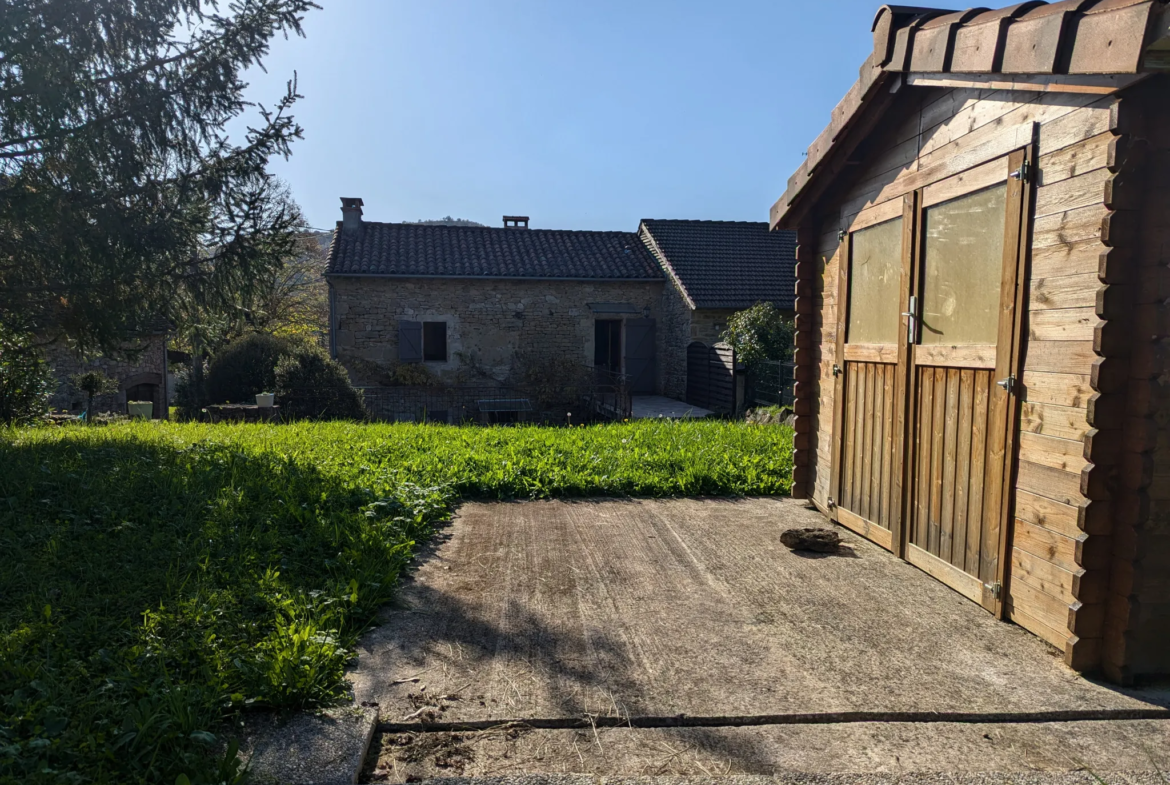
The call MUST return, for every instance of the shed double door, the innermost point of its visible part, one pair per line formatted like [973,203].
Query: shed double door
[925,377]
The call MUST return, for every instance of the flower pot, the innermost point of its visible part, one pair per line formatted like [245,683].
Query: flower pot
[265,400]
[143,410]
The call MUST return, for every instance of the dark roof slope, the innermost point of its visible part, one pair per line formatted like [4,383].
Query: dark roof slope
[413,250]
[1098,42]
[727,264]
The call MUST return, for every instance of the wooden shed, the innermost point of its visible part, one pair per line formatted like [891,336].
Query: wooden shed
[982,315]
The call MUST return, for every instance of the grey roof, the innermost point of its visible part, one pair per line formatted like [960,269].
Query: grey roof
[727,264]
[414,250]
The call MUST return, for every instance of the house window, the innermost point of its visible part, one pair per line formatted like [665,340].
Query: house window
[607,344]
[434,342]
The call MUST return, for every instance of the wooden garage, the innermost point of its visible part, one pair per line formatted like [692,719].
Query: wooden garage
[982,288]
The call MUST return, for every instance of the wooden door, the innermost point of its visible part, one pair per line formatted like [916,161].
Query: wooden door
[866,486]
[965,335]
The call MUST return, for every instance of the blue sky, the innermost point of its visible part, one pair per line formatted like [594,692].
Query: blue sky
[582,115]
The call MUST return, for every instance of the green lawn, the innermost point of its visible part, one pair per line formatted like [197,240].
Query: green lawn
[156,579]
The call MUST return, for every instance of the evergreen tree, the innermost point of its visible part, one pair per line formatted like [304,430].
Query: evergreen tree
[123,202]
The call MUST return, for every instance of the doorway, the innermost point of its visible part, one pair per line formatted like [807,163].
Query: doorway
[607,345]
[925,378]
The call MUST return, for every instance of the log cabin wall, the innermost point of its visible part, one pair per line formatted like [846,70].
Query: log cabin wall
[1060,553]
[1134,271]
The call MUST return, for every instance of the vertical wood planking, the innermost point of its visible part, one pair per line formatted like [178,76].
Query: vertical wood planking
[950,445]
[889,492]
[865,425]
[879,407]
[963,467]
[934,528]
[924,440]
[850,434]
[978,461]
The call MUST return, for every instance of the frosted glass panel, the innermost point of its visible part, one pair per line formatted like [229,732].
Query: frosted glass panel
[875,281]
[963,266]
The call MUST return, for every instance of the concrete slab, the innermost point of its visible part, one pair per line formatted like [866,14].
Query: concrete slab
[619,608]
[1104,748]
[323,748]
[655,406]
[557,609]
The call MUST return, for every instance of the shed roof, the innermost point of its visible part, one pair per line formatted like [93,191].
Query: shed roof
[414,250]
[1080,44]
[726,264]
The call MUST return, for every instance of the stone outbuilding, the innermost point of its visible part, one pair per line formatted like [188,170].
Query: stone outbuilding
[141,375]
[473,303]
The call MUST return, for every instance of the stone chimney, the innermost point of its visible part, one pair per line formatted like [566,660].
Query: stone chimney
[351,214]
[515,221]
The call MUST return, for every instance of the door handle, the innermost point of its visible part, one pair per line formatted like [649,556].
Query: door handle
[913,314]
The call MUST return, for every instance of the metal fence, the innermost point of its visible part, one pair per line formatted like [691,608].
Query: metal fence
[769,383]
[598,394]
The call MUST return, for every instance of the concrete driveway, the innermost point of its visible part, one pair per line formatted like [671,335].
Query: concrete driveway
[660,608]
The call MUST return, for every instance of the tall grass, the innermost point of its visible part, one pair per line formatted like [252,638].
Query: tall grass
[156,579]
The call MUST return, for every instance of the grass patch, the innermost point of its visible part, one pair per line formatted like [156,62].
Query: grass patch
[157,579]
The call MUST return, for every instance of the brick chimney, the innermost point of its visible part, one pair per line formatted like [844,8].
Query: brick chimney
[515,221]
[351,213]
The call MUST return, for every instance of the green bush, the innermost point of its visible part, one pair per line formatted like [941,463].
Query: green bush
[245,367]
[26,381]
[311,386]
[761,332]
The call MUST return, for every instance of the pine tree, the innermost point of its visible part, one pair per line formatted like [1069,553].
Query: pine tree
[123,203]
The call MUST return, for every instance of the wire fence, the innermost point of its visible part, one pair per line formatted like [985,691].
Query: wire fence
[770,384]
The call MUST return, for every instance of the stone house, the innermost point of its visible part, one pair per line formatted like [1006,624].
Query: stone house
[140,377]
[473,304]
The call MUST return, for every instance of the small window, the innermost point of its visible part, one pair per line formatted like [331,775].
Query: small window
[875,278]
[435,342]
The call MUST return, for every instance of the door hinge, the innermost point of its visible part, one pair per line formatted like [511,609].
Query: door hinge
[836,369]
[1024,173]
[1008,384]
[841,232]
[831,503]
[995,589]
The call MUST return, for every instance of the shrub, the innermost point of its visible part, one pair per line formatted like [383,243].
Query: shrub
[245,367]
[312,386]
[554,381]
[761,332]
[25,379]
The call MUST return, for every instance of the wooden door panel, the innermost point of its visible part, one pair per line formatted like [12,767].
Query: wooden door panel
[868,457]
[949,471]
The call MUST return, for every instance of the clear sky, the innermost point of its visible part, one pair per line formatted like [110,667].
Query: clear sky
[583,115]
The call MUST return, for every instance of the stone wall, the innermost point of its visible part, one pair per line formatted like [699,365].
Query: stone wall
[676,330]
[708,324]
[149,367]
[488,321]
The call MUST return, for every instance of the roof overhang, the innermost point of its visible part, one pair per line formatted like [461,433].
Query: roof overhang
[1096,46]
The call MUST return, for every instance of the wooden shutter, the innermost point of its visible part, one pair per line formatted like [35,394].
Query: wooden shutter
[409,342]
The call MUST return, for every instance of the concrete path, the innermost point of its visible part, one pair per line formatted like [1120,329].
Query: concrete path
[654,406]
[619,608]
